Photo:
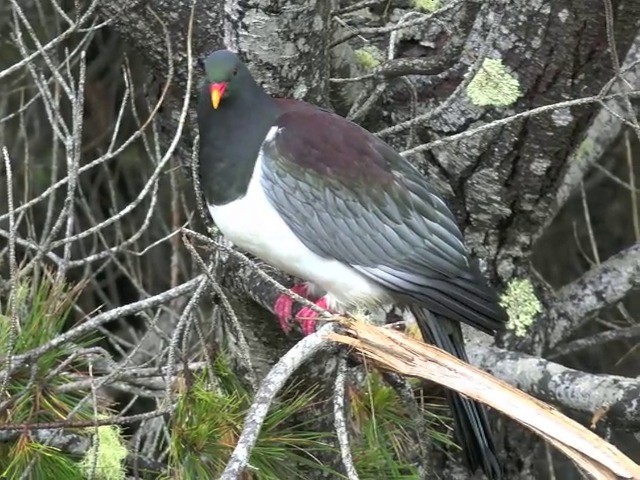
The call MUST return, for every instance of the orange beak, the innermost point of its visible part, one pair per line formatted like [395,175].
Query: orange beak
[217,90]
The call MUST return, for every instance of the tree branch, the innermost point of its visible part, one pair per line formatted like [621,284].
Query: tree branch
[106,317]
[340,420]
[563,386]
[625,333]
[600,287]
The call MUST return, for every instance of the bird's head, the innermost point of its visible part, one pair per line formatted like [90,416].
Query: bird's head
[226,74]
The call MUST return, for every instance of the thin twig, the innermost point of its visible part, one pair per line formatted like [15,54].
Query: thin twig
[497,123]
[599,339]
[354,32]
[587,219]
[179,329]
[14,325]
[114,420]
[90,325]
[74,152]
[60,38]
[635,215]
[244,353]
[340,420]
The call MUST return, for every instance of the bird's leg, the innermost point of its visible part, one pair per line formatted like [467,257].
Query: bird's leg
[283,307]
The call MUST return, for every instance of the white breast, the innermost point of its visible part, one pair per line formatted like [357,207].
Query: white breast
[254,225]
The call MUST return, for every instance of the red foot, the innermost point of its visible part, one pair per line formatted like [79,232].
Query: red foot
[283,307]
[307,317]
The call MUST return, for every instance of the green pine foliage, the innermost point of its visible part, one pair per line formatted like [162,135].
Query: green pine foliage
[41,309]
[209,418]
[385,431]
[40,462]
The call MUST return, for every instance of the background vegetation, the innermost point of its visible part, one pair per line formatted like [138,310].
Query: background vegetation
[122,359]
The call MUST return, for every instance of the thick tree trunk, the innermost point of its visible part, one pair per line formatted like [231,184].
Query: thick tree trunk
[504,183]
[287,43]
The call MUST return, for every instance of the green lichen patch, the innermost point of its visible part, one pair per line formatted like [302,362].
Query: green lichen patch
[106,455]
[585,148]
[493,85]
[522,305]
[427,5]
[368,57]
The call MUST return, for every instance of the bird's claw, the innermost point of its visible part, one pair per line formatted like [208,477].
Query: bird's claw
[283,307]
[306,317]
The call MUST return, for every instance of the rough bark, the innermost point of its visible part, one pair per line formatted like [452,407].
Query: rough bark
[285,42]
[503,182]
[575,390]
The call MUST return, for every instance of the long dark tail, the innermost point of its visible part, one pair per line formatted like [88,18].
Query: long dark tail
[471,424]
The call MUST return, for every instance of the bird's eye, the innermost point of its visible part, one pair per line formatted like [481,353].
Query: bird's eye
[235,71]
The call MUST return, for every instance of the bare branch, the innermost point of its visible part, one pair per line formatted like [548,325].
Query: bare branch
[44,48]
[269,388]
[498,123]
[68,442]
[244,353]
[600,287]
[14,326]
[628,333]
[114,420]
[109,316]
[354,32]
[581,391]
[340,420]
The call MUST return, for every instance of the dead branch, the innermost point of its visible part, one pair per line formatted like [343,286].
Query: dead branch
[396,351]
[340,420]
[626,333]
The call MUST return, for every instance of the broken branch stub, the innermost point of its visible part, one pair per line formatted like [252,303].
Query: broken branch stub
[395,351]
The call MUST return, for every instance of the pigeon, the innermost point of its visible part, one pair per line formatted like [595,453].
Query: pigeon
[323,199]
